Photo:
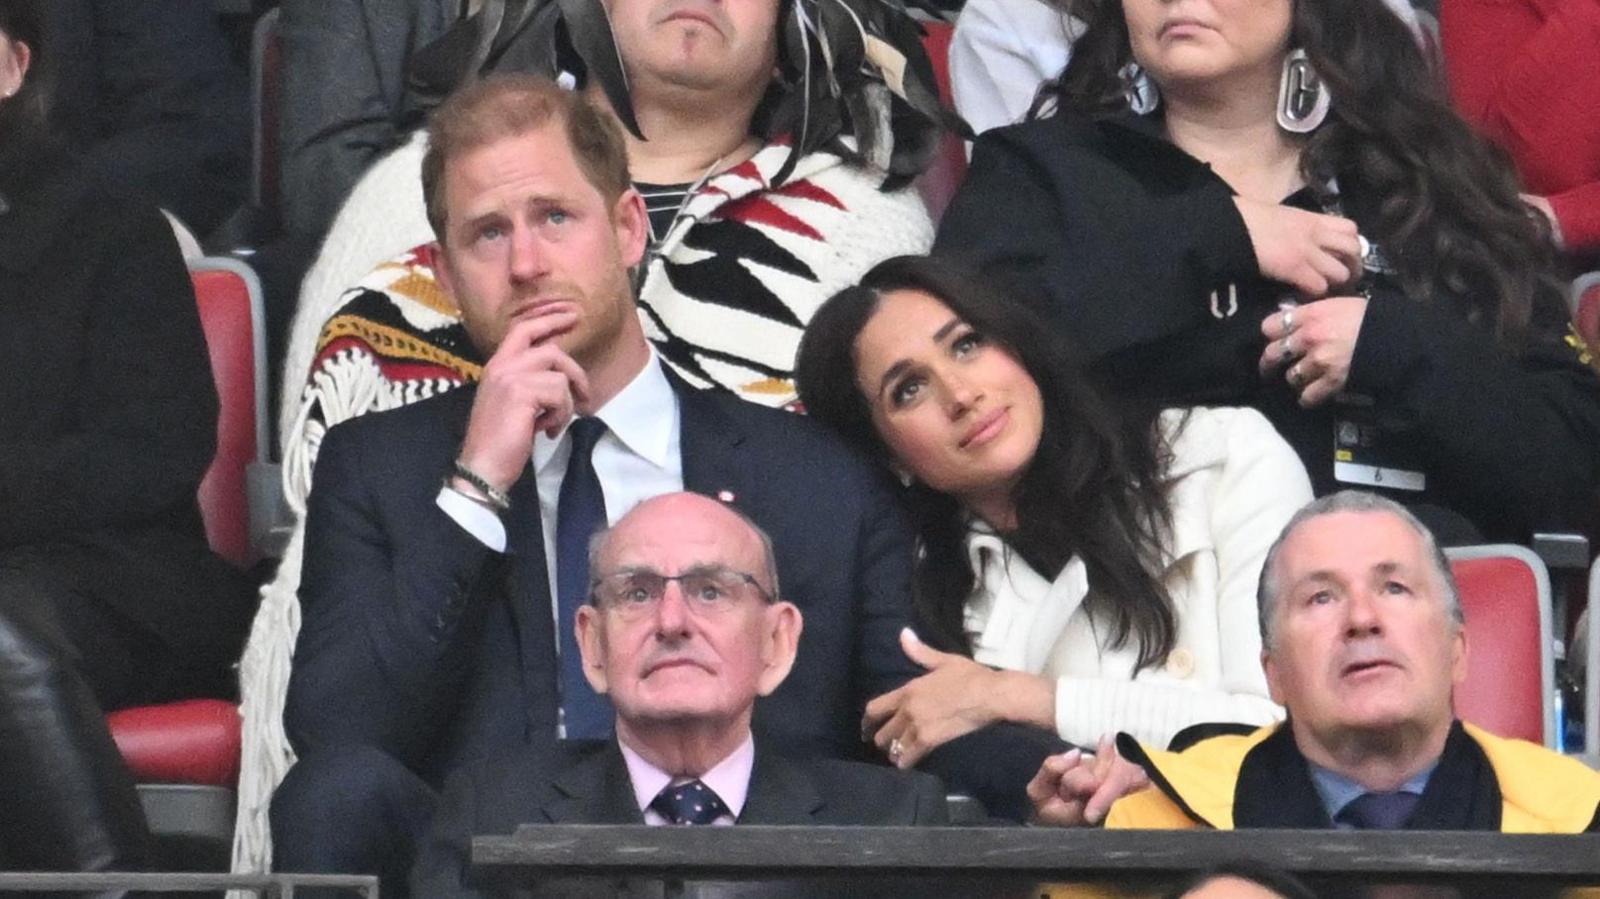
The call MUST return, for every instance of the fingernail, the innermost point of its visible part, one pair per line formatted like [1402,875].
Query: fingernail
[908,632]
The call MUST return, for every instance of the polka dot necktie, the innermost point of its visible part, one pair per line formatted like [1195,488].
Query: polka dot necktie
[689,803]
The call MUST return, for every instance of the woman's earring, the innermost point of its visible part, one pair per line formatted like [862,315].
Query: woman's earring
[1142,94]
[1303,98]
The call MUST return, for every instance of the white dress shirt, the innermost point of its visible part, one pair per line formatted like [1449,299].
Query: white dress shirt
[639,456]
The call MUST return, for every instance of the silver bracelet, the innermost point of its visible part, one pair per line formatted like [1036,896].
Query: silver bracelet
[497,497]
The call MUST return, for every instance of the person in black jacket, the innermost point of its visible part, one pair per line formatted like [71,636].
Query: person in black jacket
[148,95]
[109,596]
[1272,204]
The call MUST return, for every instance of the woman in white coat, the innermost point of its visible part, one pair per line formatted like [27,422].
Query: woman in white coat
[1081,567]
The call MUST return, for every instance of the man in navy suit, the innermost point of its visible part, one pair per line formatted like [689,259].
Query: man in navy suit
[684,627]
[443,570]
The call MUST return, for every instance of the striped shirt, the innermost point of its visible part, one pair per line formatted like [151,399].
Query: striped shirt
[662,202]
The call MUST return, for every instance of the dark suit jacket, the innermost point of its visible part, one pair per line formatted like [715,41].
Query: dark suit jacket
[588,783]
[422,642]
[330,137]
[109,414]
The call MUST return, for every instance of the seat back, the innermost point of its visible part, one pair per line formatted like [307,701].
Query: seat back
[1505,594]
[231,315]
[266,98]
[1591,680]
[938,184]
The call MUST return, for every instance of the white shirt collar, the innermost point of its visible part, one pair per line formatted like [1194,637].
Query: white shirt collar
[640,416]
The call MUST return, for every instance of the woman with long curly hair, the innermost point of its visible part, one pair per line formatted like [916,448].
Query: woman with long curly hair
[1103,560]
[1270,203]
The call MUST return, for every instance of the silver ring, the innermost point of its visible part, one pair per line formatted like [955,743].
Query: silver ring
[1288,346]
[895,750]
[1296,376]
[1288,320]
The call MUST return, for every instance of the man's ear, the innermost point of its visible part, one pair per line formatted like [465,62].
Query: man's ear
[780,642]
[1270,668]
[628,216]
[12,76]
[591,645]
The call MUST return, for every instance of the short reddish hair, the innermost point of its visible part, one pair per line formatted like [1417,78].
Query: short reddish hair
[511,104]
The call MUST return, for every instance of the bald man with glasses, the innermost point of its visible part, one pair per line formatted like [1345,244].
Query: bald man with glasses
[684,630]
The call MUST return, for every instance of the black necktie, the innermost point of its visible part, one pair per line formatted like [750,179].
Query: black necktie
[1379,811]
[580,511]
[689,803]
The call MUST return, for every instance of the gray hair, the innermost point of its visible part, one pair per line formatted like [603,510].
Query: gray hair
[769,557]
[1267,591]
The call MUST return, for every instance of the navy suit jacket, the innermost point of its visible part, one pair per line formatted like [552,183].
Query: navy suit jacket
[587,782]
[420,641]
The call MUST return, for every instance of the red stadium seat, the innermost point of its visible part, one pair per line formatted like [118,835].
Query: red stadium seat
[230,312]
[1505,594]
[185,755]
[938,184]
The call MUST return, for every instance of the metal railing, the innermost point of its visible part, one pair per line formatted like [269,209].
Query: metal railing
[269,886]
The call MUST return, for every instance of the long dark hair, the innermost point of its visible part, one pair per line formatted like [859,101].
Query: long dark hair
[1094,487]
[1447,213]
[24,116]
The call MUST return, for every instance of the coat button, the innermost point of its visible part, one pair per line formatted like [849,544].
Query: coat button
[1180,663]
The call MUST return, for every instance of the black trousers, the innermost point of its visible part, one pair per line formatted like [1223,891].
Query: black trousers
[351,810]
[67,801]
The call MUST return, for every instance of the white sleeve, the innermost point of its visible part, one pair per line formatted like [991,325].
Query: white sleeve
[1259,487]
[1002,50]
[473,518]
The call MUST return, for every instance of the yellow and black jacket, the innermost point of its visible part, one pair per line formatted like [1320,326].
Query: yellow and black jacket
[1257,780]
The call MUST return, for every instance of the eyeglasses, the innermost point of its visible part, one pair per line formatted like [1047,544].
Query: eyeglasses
[707,590]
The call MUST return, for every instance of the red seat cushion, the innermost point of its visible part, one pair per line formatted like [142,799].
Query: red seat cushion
[1502,693]
[224,300]
[195,741]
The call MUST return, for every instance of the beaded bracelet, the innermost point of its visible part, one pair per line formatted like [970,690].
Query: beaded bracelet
[497,497]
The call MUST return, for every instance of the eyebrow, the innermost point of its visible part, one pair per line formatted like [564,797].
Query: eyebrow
[894,371]
[1324,575]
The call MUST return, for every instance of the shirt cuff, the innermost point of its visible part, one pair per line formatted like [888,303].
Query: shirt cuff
[473,518]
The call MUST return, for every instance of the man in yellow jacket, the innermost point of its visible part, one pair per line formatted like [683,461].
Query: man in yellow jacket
[1363,645]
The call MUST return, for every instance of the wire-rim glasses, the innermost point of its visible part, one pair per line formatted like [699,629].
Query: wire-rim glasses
[706,590]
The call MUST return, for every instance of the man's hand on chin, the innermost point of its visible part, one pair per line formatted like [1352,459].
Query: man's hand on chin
[529,385]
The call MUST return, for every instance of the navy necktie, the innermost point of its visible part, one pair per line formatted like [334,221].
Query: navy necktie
[1379,811]
[580,511]
[689,803]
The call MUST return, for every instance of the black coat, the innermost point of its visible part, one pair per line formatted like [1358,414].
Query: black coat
[422,642]
[109,409]
[148,93]
[588,783]
[1137,251]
